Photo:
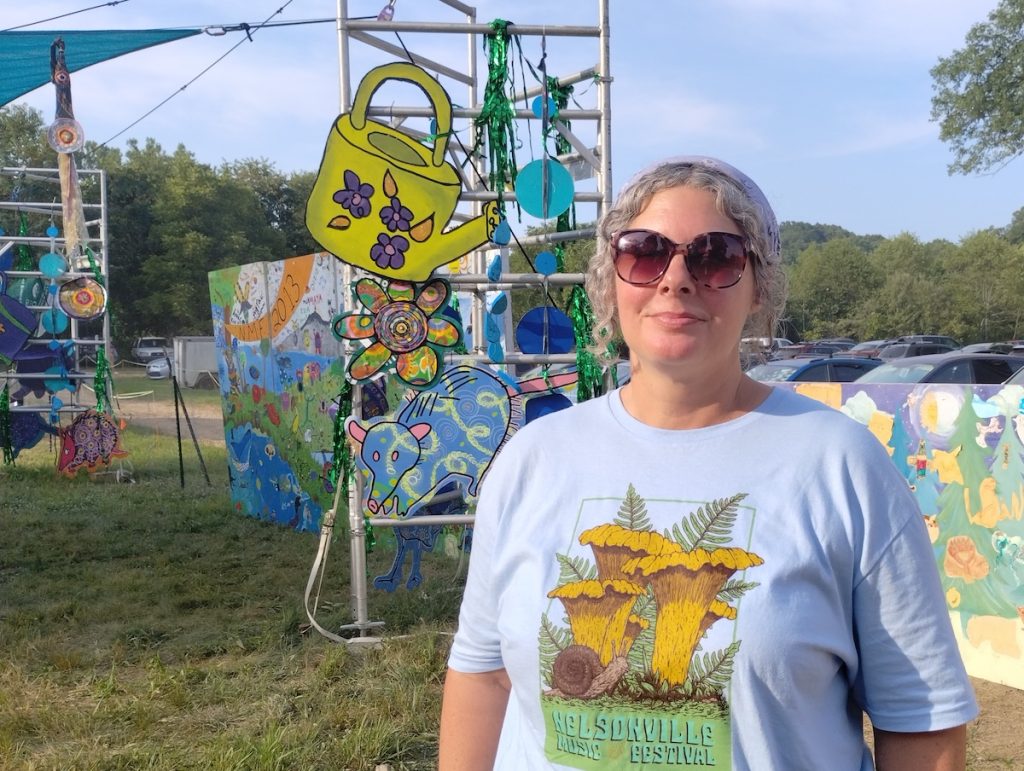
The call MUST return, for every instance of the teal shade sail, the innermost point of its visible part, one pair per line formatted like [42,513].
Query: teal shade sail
[25,55]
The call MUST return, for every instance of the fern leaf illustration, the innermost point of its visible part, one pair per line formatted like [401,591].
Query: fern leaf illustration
[552,640]
[633,512]
[734,589]
[710,526]
[710,672]
[574,569]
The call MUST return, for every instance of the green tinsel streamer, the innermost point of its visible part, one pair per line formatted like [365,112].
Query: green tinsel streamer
[341,463]
[6,439]
[588,371]
[25,259]
[101,379]
[461,346]
[496,122]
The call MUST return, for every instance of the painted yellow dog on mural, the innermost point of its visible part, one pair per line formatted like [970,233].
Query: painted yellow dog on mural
[382,200]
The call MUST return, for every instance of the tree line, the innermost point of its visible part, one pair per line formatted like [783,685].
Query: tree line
[172,219]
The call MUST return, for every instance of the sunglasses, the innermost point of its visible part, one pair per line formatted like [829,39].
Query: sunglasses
[715,260]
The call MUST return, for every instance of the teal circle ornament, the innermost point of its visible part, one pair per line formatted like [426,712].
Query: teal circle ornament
[54,320]
[538,108]
[546,263]
[52,265]
[544,188]
[52,231]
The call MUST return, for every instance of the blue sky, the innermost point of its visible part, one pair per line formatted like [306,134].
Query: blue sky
[825,103]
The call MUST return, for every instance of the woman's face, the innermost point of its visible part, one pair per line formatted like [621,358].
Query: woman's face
[676,324]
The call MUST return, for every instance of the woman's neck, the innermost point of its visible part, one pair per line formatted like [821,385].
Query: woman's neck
[665,400]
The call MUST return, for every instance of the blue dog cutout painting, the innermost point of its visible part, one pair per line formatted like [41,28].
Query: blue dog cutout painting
[444,436]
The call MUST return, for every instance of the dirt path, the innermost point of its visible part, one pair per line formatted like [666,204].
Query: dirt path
[158,417]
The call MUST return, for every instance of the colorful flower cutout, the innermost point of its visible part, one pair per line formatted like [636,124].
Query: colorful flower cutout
[404,326]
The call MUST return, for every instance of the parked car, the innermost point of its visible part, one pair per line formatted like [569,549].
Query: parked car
[149,348]
[159,369]
[987,348]
[1017,378]
[904,350]
[804,350]
[836,369]
[964,368]
[941,339]
[842,343]
[869,348]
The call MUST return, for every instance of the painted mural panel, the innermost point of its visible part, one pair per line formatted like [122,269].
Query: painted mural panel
[961,449]
[280,377]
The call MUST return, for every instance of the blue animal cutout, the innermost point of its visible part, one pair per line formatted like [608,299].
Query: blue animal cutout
[416,539]
[447,433]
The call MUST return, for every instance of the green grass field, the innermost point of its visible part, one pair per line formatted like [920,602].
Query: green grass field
[143,626]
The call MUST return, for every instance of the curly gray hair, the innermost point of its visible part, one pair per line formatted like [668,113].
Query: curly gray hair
[736,196]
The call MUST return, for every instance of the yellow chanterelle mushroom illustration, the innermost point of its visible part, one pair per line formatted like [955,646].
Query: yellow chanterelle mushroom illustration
[614,545]
[685,586]
[598,613]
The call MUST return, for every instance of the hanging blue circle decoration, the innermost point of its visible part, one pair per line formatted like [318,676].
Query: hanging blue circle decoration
[539,406]
[59,380]
[495,353]
[494,269]
[498,304]
[546,263]
[54,320]
[52,265]
[545,324]
[52,231]
[538,199]
[538,108]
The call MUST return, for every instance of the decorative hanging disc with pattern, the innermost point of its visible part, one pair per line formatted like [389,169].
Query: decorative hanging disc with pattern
[82,298]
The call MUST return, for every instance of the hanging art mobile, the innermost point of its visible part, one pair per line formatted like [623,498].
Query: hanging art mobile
[82,298]
[382,201]
[17,323]
[91,441]
[404,325]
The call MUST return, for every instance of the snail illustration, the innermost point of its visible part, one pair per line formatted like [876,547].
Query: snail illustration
[577,672]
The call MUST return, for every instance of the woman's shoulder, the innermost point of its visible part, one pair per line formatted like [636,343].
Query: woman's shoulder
[792,413]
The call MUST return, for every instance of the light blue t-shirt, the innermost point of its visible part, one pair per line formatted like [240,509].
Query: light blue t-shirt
[732,596]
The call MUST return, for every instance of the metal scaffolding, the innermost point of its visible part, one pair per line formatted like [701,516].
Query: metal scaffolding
[593,156]
[94,192]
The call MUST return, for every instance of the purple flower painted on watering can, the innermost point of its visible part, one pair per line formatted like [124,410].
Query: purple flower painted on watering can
[396,216]
[389,251]
[356,195]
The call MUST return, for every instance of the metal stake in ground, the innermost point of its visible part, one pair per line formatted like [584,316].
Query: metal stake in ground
[179,399]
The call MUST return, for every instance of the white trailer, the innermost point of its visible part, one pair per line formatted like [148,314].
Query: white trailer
[195,361]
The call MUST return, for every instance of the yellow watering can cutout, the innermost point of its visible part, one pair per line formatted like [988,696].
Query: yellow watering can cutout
[382,200]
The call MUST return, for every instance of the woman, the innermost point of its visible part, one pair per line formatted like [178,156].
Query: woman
[697,569]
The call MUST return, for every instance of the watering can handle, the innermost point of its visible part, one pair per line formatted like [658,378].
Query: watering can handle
[412,74]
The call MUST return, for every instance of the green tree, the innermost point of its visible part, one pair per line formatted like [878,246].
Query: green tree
[797,236]
[1014,232]
[282,199]
[979,90]
[829,284]
[911,298]
[986,298]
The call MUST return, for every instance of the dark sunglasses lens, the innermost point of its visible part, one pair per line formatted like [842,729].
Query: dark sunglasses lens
[717,260]
[641,256]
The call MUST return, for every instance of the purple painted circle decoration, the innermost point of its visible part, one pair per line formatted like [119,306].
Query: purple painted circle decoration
[401,326]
